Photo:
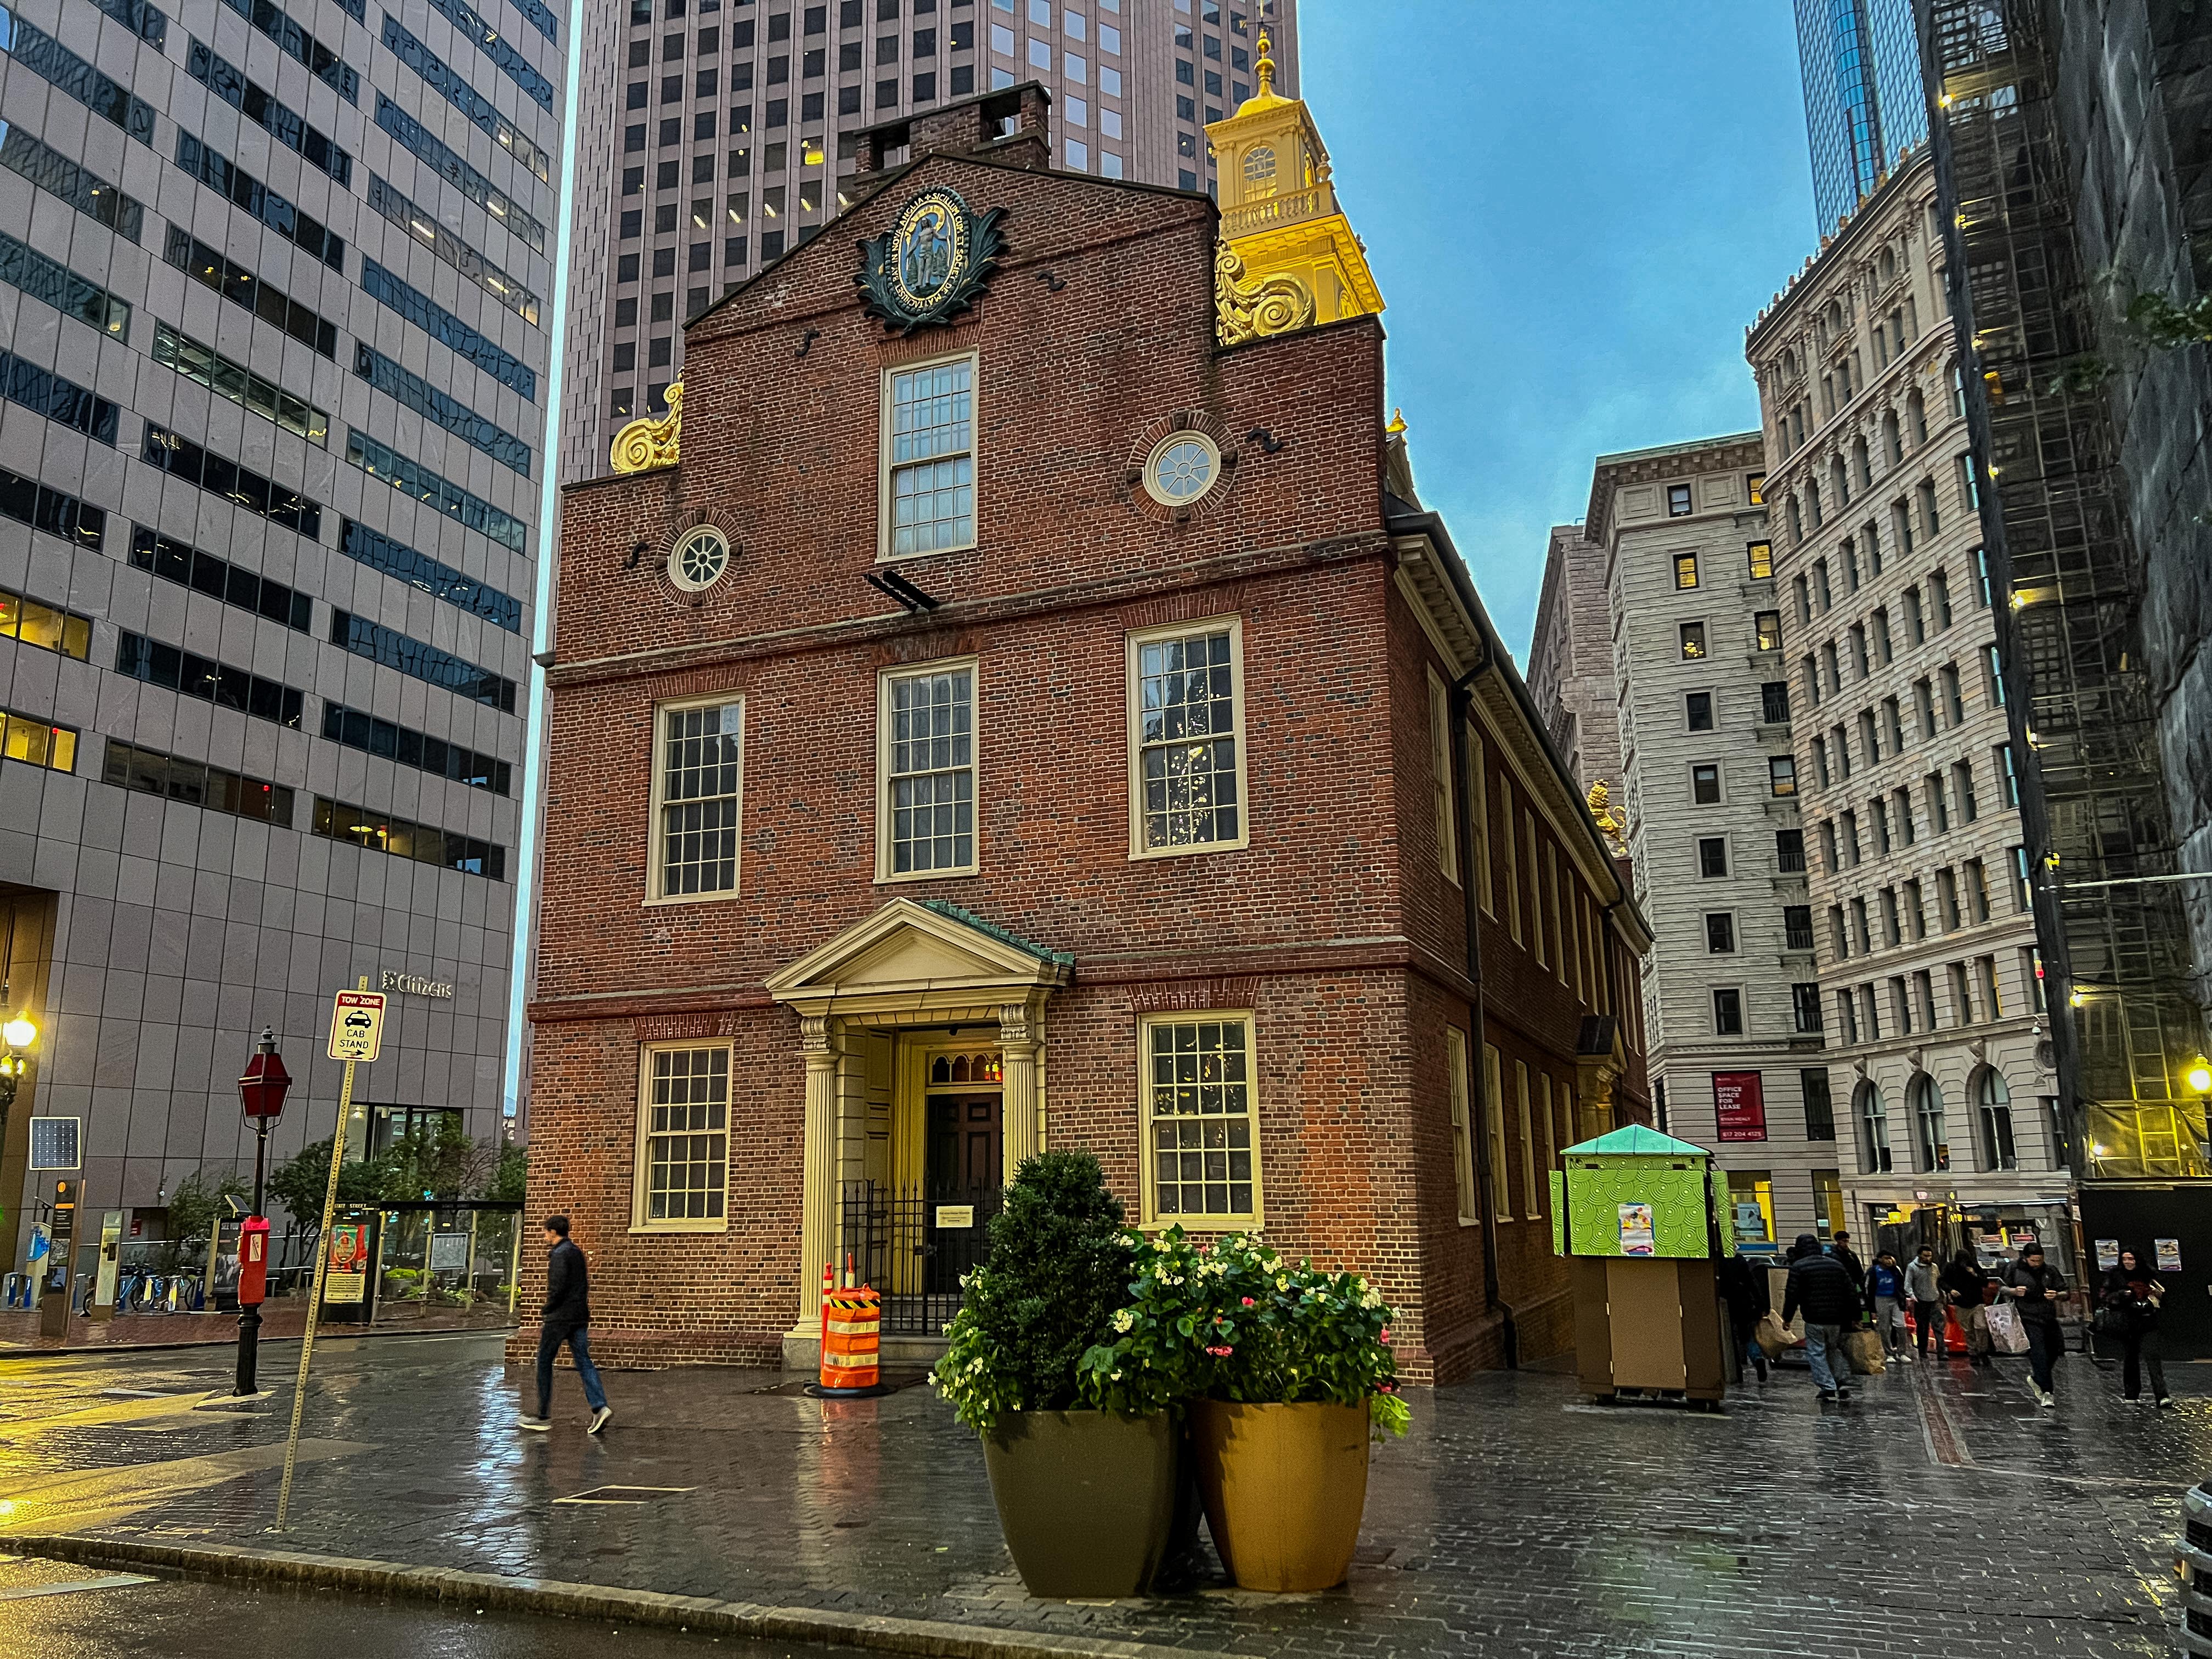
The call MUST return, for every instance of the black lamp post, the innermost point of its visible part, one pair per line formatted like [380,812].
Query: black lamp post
[261,1097]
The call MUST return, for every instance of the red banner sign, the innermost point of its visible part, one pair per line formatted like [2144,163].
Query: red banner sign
[1741,1106]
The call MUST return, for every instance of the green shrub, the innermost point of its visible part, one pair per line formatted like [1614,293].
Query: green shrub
[1059,1266]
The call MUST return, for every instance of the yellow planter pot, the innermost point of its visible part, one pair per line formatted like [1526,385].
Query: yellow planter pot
[1284,1488]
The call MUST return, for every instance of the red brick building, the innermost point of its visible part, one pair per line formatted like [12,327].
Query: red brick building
[1046,725]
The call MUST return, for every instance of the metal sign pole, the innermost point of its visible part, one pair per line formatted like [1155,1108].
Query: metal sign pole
[315,1299]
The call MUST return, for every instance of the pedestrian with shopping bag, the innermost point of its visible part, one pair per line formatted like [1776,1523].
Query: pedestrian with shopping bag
[1966,1288]
[1923,1285]
[1743,1287]
[1822,1287]
[2036,1288]
[2127,1311]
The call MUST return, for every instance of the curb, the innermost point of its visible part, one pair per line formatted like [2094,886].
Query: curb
[323,1334]
[929,1638]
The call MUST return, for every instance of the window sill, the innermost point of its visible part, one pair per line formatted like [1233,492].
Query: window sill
[884,557]
[1139,854]
[637,1228]
[890,879]
[1202,1224]
[650,904]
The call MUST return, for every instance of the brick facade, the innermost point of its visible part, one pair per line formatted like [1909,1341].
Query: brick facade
[1335,925]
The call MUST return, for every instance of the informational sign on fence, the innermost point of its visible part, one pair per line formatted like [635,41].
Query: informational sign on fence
[449,1252]
[358,1025]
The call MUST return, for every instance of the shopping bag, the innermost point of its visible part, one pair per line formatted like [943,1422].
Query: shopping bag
[1864,1350]
[1773,1336]
[2007,1333]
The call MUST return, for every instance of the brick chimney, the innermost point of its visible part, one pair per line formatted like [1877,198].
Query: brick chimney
[1012,123]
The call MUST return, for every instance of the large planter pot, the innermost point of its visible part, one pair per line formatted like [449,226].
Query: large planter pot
[1284,1488]
[1087,1500]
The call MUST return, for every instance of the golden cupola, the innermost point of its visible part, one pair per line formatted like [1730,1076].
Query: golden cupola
[1279,217]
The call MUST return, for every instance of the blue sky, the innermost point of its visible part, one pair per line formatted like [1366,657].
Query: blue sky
[1573,210]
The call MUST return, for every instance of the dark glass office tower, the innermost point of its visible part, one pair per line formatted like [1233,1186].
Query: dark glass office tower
[1863,106]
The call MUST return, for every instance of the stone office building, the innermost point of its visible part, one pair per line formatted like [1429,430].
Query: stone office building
[1707,794]
[275,295]
[1932,991]
[1021,702]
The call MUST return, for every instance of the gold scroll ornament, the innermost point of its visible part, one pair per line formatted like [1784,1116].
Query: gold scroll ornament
[1253,311]
[644,445]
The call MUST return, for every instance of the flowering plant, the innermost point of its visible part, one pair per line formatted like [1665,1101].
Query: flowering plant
[1233,1320]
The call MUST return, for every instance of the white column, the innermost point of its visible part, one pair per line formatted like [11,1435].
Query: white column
[818,1226]
[1020,1104]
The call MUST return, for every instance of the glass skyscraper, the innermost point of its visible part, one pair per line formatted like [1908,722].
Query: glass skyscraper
[1863,104]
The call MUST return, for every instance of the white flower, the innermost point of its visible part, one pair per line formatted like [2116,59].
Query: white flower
[1116,1377]
[1122,1321]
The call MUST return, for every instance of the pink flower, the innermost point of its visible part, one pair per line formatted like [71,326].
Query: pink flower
[1222,1352]
[1385,1387]
[1249,1302]
[1384,1338]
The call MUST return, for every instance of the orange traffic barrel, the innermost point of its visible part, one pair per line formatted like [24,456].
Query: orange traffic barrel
[852,1339]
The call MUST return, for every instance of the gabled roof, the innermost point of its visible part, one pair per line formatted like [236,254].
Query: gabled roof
[1635,1140]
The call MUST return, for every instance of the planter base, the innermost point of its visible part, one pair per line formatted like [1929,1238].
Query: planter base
[1087,1500]
[1284,1487]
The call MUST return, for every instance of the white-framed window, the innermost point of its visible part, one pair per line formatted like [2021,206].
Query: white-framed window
[1477,813]
[698,785]
[1493,1129]
[1186,738]
[1512,858]
[1559,943]
[1532,1206]
[925,757]
[1463,1126]
[929,457]
[683,1138]
[1535,889]
[1200,1120]
[1440,773]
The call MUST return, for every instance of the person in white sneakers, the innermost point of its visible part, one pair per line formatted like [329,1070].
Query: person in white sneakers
[568,1314]
[1923,1284]
[2036,1287]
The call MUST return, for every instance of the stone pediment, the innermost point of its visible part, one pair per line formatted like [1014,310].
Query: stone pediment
[918,956]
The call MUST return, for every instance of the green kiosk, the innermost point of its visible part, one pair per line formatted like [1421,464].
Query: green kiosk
[1637,1215]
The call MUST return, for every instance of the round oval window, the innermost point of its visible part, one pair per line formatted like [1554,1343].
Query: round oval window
[1182,468]
[699,559]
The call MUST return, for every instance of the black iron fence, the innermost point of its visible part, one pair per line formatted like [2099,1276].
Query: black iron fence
[896,1245]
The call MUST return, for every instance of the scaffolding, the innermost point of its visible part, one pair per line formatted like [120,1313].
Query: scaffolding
[2125,1020]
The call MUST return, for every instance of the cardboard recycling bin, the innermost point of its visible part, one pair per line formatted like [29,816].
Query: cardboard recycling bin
[1636,1214]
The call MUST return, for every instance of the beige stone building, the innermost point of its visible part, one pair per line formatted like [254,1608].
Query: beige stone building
[1707,798]
[1930,985]
[1570,659]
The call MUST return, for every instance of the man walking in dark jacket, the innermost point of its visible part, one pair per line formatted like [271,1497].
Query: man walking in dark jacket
[1823,1287]
[568,1312]
[2037,1288]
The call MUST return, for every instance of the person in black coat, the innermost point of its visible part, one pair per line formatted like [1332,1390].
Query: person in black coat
[1965,1287]
[2129,1299]
[568,1313]
[1840,1247]
[1823,1287]
[1743,1287]
[2037,1288]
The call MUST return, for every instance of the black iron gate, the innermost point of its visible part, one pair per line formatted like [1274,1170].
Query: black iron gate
[915,1265]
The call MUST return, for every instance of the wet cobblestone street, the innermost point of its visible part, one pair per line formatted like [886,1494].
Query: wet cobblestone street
[1940,1512]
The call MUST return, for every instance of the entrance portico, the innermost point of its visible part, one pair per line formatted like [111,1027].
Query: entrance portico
[922,1011]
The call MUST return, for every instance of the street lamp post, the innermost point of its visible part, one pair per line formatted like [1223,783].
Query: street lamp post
[261,1098]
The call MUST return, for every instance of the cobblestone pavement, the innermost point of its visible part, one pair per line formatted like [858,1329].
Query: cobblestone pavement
[1939,1512]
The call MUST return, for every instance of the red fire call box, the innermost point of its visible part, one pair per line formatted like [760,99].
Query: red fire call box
[254,1261]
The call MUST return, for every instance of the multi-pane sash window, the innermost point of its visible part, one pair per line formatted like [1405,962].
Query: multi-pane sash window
[687,1136]
[930,444]
[1189,772]
[1198,1107]
[931,771]
[702,750]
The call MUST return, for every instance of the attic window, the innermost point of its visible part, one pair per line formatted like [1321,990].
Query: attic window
[1260,166]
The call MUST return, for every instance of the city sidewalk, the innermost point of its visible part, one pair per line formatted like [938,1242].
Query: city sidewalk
[1940,1512]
